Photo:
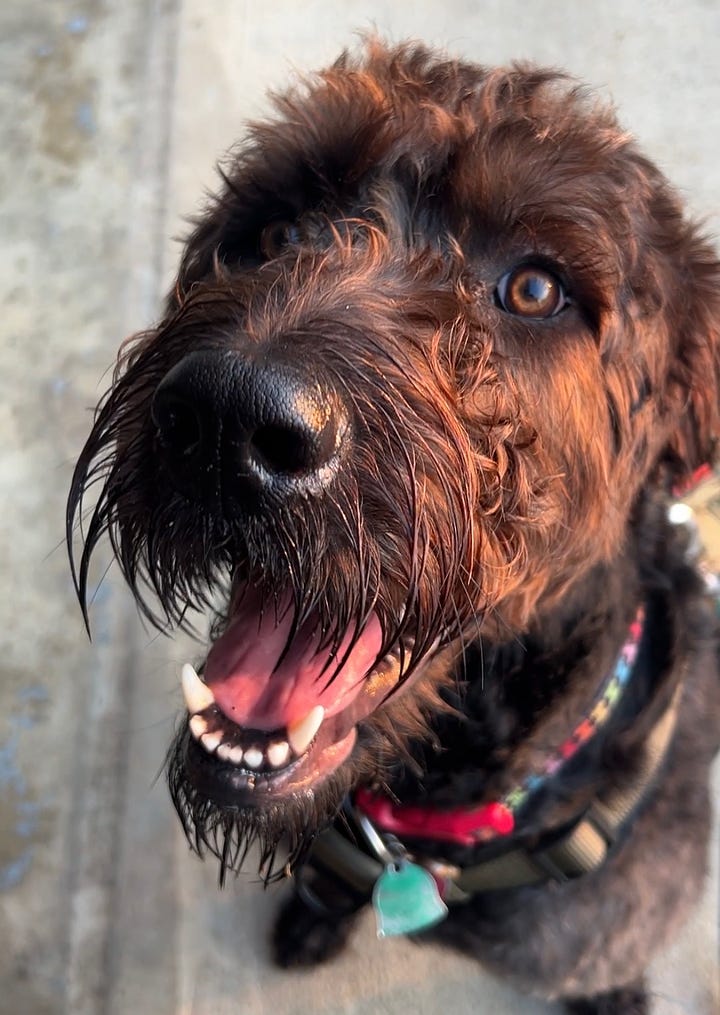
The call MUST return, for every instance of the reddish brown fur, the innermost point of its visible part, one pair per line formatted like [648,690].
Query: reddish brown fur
[621,229]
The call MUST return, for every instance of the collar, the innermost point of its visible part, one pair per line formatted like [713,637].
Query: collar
[354,854]
[468,826]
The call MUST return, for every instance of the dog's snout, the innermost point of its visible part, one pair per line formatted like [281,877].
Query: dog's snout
[229,419]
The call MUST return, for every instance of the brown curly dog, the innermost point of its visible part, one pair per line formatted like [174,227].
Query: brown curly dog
[439,354]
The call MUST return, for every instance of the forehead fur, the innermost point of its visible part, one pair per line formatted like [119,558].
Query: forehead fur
[403,110]
[440,148]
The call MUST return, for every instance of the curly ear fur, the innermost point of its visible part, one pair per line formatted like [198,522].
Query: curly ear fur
[696,369]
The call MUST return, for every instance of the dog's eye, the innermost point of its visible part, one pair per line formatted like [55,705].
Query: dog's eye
[531,291]
[276,236]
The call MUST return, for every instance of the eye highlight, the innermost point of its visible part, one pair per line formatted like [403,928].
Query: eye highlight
[532,292]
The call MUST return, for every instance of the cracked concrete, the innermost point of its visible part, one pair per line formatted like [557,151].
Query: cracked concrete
[113,115]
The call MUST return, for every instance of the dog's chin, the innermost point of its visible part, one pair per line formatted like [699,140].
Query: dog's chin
[226,810]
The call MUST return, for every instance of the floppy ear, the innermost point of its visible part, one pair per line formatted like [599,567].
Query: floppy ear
[695,371]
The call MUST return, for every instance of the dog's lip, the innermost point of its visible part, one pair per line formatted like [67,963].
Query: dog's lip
[233,788]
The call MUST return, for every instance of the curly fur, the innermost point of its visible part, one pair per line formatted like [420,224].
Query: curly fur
[502,507]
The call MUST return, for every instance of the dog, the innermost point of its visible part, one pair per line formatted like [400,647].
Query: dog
[439,355]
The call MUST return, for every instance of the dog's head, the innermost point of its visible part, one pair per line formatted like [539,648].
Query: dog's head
[436,334]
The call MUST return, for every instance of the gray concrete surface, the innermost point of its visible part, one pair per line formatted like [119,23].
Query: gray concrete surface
[112,115]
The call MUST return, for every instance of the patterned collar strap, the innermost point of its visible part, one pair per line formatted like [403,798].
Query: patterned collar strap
[468,826]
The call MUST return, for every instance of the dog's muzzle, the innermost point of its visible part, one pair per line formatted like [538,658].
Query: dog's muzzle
[245,434]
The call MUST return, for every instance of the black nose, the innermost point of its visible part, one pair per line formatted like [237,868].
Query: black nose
[227,423]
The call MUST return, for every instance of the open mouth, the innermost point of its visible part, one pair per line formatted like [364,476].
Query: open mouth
[277,710]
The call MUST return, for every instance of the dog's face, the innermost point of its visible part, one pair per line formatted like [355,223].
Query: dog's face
[438,330]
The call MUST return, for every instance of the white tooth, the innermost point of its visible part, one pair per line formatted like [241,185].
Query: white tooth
[223,752]
[253,757]
[232,754]
[198,726]
[197,695]
[301,733]
[211,741]
[277,754]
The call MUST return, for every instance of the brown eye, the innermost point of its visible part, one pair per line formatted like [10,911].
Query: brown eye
[531,291]
[276,236]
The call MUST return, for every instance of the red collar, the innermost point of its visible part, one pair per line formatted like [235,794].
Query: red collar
[467,826]
[462,825]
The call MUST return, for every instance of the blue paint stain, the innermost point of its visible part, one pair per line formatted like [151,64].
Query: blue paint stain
[77,25]
[26,827]
[33,692]
[10,775]
[85,118]
[30,808]
[28,813]
[12,873]
[28,816]
[14,783]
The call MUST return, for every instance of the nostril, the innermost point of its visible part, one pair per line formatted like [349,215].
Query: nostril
[283,450]
[178,424]
[298,439]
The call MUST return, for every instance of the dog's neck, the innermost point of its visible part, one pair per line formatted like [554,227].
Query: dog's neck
[520,700]
[469,825]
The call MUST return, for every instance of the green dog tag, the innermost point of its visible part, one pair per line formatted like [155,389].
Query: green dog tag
[405,900]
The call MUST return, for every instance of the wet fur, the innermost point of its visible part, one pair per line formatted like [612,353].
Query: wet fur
[506,488]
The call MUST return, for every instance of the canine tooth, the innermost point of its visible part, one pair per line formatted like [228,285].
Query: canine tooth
[232,754]
[211,741]
[197,694]
[198,726]
[253,757]
[301,733]
[278,754]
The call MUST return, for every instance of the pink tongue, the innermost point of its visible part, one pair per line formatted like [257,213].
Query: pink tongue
[255,693]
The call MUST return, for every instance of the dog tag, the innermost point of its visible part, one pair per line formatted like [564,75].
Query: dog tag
[406,900]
